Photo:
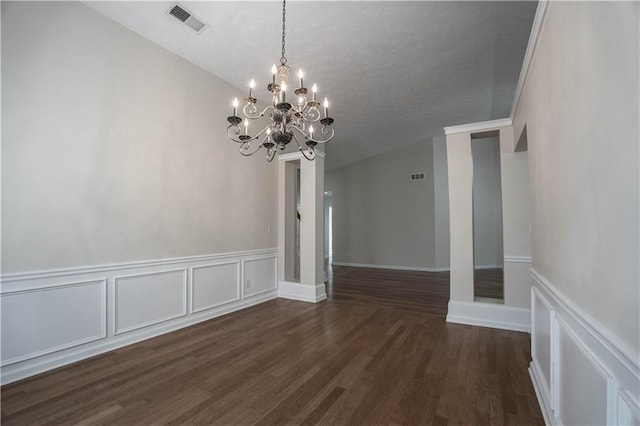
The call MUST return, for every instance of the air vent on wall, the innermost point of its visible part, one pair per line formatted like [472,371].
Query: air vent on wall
[417,176]
[184,16]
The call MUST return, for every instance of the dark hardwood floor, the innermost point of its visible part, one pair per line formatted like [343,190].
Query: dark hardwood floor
[488,283]
[426,292]
[377,352]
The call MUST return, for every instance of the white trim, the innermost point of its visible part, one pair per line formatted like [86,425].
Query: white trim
[610,341]
[10,374]
[81,270]
[219,303]
[488,267]
[71,344]
[517,259]
[298,156]
[478,127]
[612,359]
[108,275]
[490,315]
[275,275]
[400,268]
[529,53]
[538,386]
[302,292]
[185,285]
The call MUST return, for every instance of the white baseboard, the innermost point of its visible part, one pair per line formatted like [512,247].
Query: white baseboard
[489,315]
[488,266]
[90,310]
[14,372]
[538,387]
[399,268]
[302,292]
[517,259]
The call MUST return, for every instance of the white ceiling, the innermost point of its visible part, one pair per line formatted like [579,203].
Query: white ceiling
[395,72]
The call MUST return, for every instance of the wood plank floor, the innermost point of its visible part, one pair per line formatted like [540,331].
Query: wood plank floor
[352,360]
[488,283]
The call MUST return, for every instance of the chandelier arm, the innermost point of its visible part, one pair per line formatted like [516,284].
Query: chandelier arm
[299,131]
[268,126]
[326,130]
[247,150]
[312,116]
[311,151]
[236,132]
[252,114]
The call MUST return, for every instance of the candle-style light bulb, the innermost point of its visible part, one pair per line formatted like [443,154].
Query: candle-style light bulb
[300,75]
[274,70]
[326,108]
[246,126]
[235,106]
[252,84]
[314,89]
[283,92]
[311,131]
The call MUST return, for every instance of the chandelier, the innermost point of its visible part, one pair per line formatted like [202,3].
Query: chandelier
[288,120]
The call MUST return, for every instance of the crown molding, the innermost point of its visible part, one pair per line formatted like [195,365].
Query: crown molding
[298,155]
[478,127]
[538,19]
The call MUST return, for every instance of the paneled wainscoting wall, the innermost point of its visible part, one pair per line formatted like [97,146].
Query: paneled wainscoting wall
[70,314]
[581,373]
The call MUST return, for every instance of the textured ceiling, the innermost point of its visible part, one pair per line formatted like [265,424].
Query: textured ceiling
[395,72]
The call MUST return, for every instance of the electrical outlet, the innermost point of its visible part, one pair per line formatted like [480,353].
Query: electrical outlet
[248,283]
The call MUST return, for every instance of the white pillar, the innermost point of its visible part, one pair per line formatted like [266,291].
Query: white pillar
[460,167]
[311,287]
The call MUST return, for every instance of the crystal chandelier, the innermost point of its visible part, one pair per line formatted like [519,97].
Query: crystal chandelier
[288,121]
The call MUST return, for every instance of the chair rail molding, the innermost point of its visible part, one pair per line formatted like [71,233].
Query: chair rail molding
[576,359]
[90,310]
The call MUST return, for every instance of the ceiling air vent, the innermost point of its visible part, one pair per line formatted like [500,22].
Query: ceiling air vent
[184,16]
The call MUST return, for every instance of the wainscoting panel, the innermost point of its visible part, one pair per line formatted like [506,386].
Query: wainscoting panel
[581,372]
[53,318]
[541,337]
[582,393]
[260,275]
[146,299]
[214,285]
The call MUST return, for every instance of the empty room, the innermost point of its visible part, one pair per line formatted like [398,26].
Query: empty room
[320,212]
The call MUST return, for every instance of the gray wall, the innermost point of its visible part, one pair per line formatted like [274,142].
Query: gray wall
[114,149]
[487,203]
[381,217]
[580,108]
[441,197]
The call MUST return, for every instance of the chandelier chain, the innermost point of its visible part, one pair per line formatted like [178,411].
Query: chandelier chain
[283,59]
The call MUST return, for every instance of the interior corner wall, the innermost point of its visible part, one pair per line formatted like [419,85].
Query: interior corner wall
[380,216]
[115,150]
[580,105]
[441,207]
